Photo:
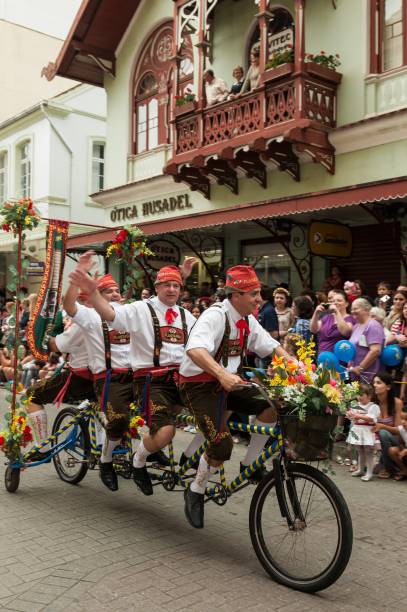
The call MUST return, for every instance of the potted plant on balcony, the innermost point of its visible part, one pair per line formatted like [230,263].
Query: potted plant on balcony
[324,65]
[185,103]
[280,64]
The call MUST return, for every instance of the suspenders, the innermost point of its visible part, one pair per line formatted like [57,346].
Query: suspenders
[158,343]
[222,354]
[106,341]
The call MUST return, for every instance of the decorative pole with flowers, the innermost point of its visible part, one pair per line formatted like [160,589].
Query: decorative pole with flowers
[17,217]
[128,244]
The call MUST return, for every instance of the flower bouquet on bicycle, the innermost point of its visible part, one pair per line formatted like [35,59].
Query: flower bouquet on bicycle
[310,398]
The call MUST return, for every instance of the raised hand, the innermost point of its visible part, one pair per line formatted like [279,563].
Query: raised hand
[186,267]
[85,261]
[81,279]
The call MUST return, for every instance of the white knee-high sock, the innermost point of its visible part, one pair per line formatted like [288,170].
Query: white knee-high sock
[369,462]
[202,476]
[195,443]
[257,441]
[108,447]
[140,456]
[39,424]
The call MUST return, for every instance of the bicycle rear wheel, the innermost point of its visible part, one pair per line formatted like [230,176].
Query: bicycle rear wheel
[12,479]
[310,553]
[71,463]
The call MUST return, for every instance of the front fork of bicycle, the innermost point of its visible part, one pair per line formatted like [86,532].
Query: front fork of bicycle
[290,508]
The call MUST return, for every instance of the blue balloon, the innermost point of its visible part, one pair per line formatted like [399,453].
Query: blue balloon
[344,350]
[392,355]
[341,369]
[328,360]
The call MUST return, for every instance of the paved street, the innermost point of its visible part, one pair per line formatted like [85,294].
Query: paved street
[82,548]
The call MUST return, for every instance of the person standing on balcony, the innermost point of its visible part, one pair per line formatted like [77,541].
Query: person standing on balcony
[252,80]
[238,75]
[216,89]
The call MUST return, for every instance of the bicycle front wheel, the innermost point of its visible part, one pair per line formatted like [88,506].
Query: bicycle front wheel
[309,549]
[72,460]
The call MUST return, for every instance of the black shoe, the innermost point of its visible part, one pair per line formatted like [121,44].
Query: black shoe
[257,475]
[183,459]
[159,457]
[143,480]
[108,476]
[194,508]
[38,456]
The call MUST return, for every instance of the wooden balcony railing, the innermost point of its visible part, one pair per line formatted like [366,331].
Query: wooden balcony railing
[298,110]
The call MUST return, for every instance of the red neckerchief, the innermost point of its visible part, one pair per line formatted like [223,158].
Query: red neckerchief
[243,326]
[170,316]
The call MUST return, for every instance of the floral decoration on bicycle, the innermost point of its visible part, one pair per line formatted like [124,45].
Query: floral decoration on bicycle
[16,433]
[306,389]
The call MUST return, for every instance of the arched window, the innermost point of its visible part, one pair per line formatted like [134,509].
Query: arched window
[151,90]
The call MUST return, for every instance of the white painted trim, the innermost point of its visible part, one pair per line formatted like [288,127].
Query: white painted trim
[370,134]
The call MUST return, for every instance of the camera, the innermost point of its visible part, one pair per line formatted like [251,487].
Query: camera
[385,298]
[325,306]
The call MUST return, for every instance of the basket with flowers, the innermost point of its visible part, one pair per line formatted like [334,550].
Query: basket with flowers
[310,398]
[20,214]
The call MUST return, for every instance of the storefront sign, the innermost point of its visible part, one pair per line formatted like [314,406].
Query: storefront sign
[147,209]
[280,41]
[166,254]
[329,239]
[35,268]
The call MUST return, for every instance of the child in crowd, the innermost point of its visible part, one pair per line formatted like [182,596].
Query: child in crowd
[383,299]
[349,288]
[398,454]
[290,344]
[361,434]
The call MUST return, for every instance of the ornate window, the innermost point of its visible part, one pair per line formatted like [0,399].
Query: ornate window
[388,35]
[24,169]
[3,176]
[98,166]
[151,90]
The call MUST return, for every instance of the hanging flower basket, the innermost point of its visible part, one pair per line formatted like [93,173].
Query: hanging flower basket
[187,107]
[327,74]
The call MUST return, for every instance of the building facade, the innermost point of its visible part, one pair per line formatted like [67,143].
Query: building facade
[53,153]
[303,171]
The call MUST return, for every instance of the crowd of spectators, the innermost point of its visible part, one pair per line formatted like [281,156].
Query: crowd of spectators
[341,310]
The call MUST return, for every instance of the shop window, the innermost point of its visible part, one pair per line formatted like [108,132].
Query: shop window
[23,159]
[98,166]
[3,176]
[152,90]
[388,29]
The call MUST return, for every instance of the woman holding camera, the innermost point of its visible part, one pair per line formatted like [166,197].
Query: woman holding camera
[335,325]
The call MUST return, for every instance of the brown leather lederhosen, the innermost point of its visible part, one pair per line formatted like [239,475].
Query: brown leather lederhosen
[155,388]
[201,395]
[119,391]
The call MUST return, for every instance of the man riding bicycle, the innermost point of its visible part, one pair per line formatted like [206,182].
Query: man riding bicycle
[210,378]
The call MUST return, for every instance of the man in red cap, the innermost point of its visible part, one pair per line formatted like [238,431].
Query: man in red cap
[214,357]
[159,331]
[74,383]
[109,350]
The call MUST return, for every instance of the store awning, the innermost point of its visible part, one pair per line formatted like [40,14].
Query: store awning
[378,191]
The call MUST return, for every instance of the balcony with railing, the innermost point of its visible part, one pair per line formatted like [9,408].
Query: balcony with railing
[289,116]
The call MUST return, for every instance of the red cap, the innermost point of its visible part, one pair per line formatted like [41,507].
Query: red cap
[242,278]
[169,273]
[106,281]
